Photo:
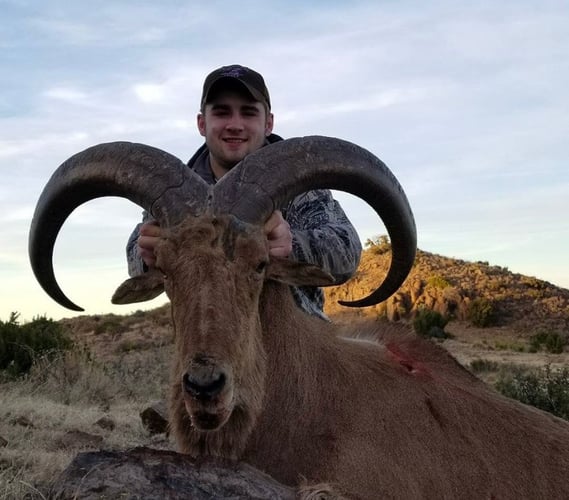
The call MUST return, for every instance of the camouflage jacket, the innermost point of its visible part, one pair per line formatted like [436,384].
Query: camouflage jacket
[321,235]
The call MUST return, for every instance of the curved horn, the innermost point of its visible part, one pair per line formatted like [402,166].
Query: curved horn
[273,175]
[157,181]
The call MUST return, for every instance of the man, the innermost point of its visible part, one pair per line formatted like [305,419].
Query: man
[235,119]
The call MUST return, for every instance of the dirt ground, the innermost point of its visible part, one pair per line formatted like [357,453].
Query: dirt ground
[498,344]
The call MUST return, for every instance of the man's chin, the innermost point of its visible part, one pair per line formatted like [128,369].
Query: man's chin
[234,159]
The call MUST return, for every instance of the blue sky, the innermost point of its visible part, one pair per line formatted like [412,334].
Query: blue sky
[466,102]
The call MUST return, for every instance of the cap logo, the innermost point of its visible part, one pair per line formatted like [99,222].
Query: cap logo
[233,72]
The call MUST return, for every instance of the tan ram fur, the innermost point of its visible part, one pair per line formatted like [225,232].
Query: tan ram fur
[359,413]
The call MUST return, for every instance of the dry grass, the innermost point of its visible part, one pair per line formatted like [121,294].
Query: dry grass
[69,395]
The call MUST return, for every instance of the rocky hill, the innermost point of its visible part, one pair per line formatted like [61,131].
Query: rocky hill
[457,289]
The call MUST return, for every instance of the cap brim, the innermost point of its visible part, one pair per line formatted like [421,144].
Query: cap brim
[255,94]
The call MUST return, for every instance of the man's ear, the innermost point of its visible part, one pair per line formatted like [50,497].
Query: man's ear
[269,124]
[201,124]
[141,288]
[297,273]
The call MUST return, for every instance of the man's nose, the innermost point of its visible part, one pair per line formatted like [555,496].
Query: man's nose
[234,123]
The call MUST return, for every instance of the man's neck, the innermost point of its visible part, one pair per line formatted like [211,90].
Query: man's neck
[217,170]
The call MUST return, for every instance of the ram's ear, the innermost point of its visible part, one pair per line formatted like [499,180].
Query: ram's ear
[141,288]
[297,273]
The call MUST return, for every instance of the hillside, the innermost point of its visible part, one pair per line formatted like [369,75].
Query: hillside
[450,286]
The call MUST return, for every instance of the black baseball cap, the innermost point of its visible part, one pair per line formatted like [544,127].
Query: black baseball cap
[250,79]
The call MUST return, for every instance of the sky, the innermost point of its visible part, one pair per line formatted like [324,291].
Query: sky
[466,102]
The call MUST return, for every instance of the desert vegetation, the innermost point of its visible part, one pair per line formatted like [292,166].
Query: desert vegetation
[74,397]
[81,383]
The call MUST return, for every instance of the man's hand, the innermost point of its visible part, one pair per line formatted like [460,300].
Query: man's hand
[276,228]
[148,238]
[278,235]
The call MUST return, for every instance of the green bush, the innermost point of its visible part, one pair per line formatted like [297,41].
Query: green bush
[429,323]
[553,342]
[437,281]
[481,313]
[378,245]
[545,389]
[21,344]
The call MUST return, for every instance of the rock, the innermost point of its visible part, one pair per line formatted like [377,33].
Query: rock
[3,442]
[106,423]
[155,418]
[159,474]
[416,288]
[437,332]
[23,421]
[78,439]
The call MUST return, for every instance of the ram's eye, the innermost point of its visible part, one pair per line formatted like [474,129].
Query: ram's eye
[261,266]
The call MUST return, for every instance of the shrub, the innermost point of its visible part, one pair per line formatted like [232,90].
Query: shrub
[21,344]
[437,281]
[481,313]
[429,323]
[112,325]
[532,282]
[378,245]
[545,389]
[504,345]
[552,341]
[128,345]
[484,365]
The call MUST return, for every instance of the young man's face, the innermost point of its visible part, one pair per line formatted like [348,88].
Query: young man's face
[233,126]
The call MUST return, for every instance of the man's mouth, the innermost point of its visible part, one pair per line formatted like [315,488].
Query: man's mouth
[234,140]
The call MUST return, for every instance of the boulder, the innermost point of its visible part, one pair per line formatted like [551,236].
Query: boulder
[158,474]
[155,417]
[106,423]
[75,439]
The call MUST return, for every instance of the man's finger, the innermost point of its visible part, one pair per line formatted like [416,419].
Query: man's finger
[273,221]
[150,229]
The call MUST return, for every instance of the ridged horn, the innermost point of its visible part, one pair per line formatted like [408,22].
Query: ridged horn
[153,179]
[268,178]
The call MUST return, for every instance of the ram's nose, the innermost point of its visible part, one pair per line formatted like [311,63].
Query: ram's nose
[204,380]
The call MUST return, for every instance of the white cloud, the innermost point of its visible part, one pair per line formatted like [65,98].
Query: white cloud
[149,93]
[67,94]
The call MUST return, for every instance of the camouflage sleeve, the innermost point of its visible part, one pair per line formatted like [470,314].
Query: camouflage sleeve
[136,265]
[323,234]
